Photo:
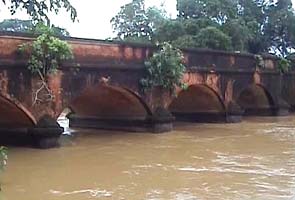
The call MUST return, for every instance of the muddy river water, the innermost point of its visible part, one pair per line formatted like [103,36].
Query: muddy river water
[254,159]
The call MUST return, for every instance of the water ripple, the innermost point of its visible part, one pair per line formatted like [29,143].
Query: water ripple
[90,192]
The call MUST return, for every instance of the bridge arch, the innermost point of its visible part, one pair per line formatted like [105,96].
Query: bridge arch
[256,100]
[106,103]
[198,102]
[14,114]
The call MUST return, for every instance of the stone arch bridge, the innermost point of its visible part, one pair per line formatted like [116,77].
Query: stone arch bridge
[102,88]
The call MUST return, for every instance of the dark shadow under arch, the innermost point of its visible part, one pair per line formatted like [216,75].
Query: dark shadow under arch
[13,114]
[256,100]
[109,107]
[198,103]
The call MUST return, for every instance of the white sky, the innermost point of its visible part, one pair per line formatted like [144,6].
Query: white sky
[94,16]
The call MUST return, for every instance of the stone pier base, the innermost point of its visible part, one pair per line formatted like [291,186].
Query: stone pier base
[149,124]
[272,111]
[208,117]
[45,138]
[46,133]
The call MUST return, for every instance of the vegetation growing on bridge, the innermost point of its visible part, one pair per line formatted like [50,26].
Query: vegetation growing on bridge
[45,56]
[165,69]
[284,65]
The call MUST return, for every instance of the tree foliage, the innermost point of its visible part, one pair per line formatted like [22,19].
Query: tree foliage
[136,23]
[165,69]
[284,65]
[28,26]
[255,26]
[16,25]
[238,33]
[45,56]
[213,38]
[185,41]
[280,27]
[46,52]
[132,22]
[39,10]
[216,10]
[170,30]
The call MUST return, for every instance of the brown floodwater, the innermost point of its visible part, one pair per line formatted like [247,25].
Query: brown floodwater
[251,160]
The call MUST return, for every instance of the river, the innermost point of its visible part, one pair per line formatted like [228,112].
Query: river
[251,160]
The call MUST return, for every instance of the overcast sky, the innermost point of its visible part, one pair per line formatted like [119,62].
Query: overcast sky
[94,16]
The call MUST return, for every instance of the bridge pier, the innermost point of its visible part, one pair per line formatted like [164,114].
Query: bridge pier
[234,113]
[46,133]
[283,108]
[38,137]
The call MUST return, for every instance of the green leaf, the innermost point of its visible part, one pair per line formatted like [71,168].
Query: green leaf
[165,68]
[47,53]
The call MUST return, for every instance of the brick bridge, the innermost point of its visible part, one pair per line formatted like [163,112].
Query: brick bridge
[222,87]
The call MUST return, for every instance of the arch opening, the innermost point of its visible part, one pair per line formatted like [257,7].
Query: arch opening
[198,103]
[256,100]
[108,107]
[14,115]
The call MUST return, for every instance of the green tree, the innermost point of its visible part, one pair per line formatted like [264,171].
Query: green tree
[182,33]
[136,23]
[28,26]
[131,23]
[239,33]
[164,69]
[280,27]
[213,38]
[39,10]
[156,17]
[186,41]
[193,26]
[189,9]
[169,31]
[217,10]
[16,25]
[254,26]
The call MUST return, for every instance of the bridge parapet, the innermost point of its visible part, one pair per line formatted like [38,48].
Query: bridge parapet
[102,53]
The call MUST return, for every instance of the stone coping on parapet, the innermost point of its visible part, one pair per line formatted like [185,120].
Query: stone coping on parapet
[28,36]
[94,53]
